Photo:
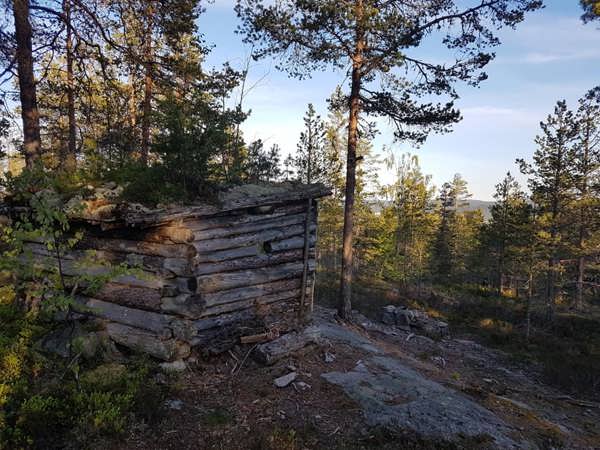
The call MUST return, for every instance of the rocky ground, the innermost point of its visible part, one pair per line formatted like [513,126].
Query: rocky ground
[368,385]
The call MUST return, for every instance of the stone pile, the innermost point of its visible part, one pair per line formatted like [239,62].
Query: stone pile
[414,320]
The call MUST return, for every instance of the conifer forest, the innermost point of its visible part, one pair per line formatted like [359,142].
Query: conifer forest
[299,224]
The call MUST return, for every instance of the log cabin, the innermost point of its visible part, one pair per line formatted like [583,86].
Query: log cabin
[205,275]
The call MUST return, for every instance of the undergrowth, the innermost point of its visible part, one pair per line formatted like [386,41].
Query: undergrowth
[567,350]
[47,402]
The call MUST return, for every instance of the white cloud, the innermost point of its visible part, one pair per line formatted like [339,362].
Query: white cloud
[546,39]
[501,116]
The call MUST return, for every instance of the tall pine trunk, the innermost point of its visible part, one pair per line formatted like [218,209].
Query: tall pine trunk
[32,142]
[69,159]
[345,305]
[148,84]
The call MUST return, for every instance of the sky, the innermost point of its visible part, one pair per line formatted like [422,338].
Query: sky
[549,57]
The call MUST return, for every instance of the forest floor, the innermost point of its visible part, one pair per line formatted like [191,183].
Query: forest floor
[231,402]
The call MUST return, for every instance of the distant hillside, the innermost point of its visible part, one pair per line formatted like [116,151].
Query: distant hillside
[483,205]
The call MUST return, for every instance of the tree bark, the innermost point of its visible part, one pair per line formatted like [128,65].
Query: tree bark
[32,142]
[148,84]
[69,159]
[345,305]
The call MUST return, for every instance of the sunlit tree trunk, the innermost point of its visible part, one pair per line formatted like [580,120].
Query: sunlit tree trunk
[32,143]
[69,159]
[345,305]
[148,83]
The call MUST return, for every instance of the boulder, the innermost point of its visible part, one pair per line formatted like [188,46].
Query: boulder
[412,319]
[389,315]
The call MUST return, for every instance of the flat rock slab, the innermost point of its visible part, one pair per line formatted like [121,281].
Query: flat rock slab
[336,333]
[394,396]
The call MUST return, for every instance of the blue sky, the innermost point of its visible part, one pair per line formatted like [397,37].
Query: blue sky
[550,56]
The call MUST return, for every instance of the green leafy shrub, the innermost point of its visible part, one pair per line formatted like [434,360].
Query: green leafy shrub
[47,402]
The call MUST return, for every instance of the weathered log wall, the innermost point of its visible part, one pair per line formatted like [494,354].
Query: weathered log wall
[201,279]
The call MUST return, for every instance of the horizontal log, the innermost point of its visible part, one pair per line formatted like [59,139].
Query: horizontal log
[230,280]
[146,342]
[257,338]
[169,234]
[250,262]
[157,264]
[140,247]
[160,324]
[175,234]
[187,305]
[232,230]
[284,346]
[73,268]
[292,243]
[235,295]
[243,240]
[131,296]
[252,303]
[241,217]
[245,196]
[229,254]
[223,319]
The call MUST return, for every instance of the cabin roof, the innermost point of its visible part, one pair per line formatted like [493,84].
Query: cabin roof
[114,214]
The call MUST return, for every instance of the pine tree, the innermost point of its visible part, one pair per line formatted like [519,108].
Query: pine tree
[288,168]
[587,184]
[32,142]
[506,234]
[591,10]
[372,37]
[551,181]
[412,210]
[310,159]
[449,251]
[262,165]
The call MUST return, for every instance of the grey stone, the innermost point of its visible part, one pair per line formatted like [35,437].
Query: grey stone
[175,366]
[174,404]
[389,315]
[395,396]
[329,357]
[285,380]
[404,317]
